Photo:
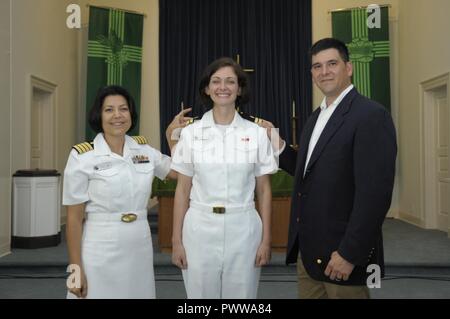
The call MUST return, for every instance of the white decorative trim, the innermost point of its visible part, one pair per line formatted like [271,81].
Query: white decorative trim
[393,213]
[63,219]
[411,219]
[5,250]
[52,89]
[427,164]
[83,36]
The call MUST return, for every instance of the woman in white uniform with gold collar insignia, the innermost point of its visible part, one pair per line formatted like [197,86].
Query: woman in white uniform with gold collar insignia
[219,240]
[108,183]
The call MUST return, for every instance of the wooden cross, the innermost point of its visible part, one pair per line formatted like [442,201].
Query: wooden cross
[245,70]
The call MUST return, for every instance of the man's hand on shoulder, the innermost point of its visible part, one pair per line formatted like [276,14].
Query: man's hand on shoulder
[275,138]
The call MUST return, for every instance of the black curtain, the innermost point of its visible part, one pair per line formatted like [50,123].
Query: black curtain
[271,36]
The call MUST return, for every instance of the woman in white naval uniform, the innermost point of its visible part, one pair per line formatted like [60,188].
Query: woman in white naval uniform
[219,240]
[110,181]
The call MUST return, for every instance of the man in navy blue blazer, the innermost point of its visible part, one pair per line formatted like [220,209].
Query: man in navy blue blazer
[344,174]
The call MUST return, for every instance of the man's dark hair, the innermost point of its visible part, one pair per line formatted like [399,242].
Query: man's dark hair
[330,43]
[95,114]
[211,69]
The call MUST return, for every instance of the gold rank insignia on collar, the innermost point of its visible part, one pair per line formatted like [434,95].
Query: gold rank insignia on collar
[84,147]
[249,117]
[140,139]
[192,120]
[140,159]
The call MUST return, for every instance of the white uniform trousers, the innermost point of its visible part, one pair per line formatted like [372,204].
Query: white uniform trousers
[221,252]
[117,257]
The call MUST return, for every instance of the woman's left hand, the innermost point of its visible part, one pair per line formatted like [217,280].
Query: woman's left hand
[178,122]
[263,255]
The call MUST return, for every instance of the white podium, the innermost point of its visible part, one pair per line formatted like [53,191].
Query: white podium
[36,209]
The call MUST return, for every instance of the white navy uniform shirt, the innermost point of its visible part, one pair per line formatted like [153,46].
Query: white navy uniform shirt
[223,165]
[110,183]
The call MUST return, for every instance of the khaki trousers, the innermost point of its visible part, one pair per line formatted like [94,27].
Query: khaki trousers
[309,288]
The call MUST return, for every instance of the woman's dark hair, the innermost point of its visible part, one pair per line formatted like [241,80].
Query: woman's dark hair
[242,99]
[95,114]
[330,43]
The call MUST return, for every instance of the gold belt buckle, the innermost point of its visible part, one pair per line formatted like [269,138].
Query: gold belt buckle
[219,210]
[129,218]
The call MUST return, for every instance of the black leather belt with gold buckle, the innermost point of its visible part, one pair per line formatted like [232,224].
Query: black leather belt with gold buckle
[219,210]
[129,218]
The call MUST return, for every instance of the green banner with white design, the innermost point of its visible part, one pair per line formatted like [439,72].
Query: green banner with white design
[114,55]
[369,51]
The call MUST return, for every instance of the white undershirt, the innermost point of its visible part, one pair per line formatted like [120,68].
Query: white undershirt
[222,128]
[322,120]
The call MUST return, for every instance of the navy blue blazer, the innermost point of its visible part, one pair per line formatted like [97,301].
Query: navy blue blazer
[342,200]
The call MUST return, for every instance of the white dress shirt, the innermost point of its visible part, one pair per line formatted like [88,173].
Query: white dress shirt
[322,120]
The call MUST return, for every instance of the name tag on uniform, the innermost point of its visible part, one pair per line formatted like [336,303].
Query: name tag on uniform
[103,166]
[140,159]
[201,138]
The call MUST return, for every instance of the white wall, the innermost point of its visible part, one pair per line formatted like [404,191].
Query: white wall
[43,46]
[5,128]
[425,53]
